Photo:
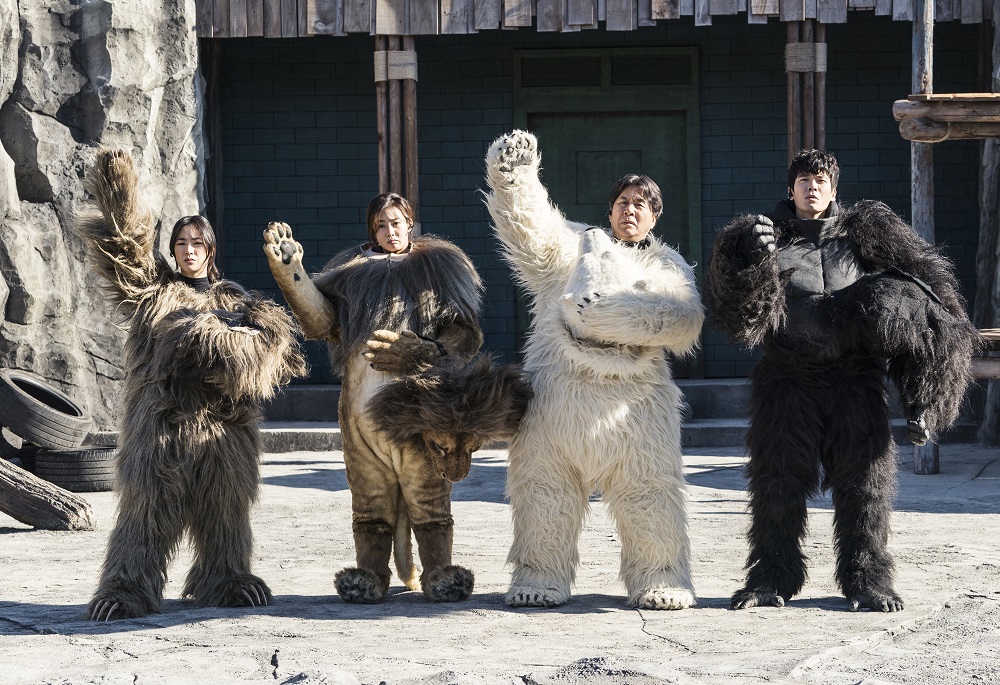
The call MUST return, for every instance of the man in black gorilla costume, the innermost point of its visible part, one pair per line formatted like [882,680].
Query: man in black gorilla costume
[838,299]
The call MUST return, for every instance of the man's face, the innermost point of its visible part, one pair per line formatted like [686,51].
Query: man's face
[812,194]
[631,216]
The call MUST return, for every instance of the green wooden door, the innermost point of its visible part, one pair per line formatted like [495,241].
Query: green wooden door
[585,153]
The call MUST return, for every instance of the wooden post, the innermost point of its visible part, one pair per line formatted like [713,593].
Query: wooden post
[794,97]
[395,129]
[410,140]
[926,459]
[41,504]
[381,117]
[808,94]
[820,80]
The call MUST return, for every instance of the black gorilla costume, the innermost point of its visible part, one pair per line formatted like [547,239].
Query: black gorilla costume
[839,303]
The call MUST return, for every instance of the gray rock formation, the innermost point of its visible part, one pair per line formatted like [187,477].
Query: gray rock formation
[74,75]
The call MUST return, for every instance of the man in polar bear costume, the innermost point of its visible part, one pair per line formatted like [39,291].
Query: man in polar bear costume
[606,311]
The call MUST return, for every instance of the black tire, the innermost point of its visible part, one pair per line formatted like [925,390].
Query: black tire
[40,413]
[83,470]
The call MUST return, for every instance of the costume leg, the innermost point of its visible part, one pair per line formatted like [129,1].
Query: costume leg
[860,468]
[375,498]
[147,530]
[226,482]
[650,513]
[786,428]
[548,503]
[428,502]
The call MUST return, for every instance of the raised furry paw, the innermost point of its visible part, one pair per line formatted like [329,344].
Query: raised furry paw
[449,584]
[401,354]
[746,598]
[284,255]
[511,150]
[536,597]
[666,598]
[360,586]
[875,600]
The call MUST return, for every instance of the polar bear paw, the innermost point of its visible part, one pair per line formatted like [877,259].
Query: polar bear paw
[284,254]
[524,596]
[512,150]
[665,598]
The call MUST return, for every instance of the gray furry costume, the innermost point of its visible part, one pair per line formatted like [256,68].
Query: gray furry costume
[433,291]
[840,302]
[188,445]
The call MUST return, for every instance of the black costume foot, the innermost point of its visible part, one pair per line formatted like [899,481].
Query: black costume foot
[875,600]
[360,586]
[448,584]
[761,597]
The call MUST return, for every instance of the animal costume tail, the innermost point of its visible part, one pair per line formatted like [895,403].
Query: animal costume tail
[402,549]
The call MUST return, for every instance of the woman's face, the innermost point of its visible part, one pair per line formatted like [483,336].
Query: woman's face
[191,253]
[392,230]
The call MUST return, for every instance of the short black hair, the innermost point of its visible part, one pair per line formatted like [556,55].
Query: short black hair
[650,191]
[812,161]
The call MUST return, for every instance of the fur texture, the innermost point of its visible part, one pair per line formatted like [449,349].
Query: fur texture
[188,442]
[433,291]
[605,413]
[818,404]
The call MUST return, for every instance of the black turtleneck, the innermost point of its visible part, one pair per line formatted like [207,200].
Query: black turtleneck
[200,284]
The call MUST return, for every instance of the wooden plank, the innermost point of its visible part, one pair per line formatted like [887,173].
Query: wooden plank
[382,122]
[272,18]
[902,10]
[410,158]
[702,13]
[220,19]
[764,8]
[204,9]
[390,18]
[665,9]
[357,16]
[325,18]
[303,7]
[928,131]
[861,4]
[548,15]
[831,11]
[40,504]
[621,15]
[255,17]
[792,10]
[289,19]
[687,8]
[755,15]
[583,12]
[516,13]
[944,10]
[602,9]
[237,18]
[722,7]
[810,9]
[424,20]
[943,109]
[883,8]
[455,16]
[487,14]
[644,13]
[972,12]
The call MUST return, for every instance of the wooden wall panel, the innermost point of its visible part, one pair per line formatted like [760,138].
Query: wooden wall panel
[255,17]
[943,10]
[902,10]
[583,12]
[203,18]
[516,13]
[720,7]
[422,17]
[487,14]
[220,19]
[324,18]
[455,16]
[972,11]
[237,18]
[792,10]
[702,13]
[390,17]
[289,18]
[357,16]
[272,18]
[831,11]
[549,15]
[621,15]
[883,8]
[861,4]
[810,9]
[644,13]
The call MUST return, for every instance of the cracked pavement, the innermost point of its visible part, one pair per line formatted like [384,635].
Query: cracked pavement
[944,541]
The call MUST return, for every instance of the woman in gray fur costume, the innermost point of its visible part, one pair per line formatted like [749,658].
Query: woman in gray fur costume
[201,355]
[428,290]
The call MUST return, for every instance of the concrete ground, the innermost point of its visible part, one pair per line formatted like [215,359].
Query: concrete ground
[945,541]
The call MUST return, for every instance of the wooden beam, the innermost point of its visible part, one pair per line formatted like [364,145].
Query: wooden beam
[820,80]
[928,131]
[922,154]
[794,97]
[40,504]
[808,94]
[410,150]
[968,111]
[395,128]
[382,122]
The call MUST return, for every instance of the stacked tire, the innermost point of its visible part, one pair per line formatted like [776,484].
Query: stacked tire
[42,415]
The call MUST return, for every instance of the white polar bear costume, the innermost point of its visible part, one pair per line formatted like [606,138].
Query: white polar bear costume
[606,411]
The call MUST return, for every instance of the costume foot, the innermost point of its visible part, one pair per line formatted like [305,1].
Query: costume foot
[358,586]
[746,598]
[449,584]
[243,590]
[875,600]
[523,596]
[117,603]
[667,598]
[511,150]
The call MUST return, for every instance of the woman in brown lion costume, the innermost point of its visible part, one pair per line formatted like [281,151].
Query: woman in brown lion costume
[428,288]
[201,355]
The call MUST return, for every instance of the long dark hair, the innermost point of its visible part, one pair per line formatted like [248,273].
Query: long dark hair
[200,224]
[382,202]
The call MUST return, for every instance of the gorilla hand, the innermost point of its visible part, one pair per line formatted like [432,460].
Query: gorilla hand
[916,430]
[402,354]
[758,241]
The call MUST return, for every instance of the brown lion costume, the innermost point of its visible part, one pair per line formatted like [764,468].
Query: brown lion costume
[197,366]
[433,291]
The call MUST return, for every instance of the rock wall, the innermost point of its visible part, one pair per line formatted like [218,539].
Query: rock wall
[74,75]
